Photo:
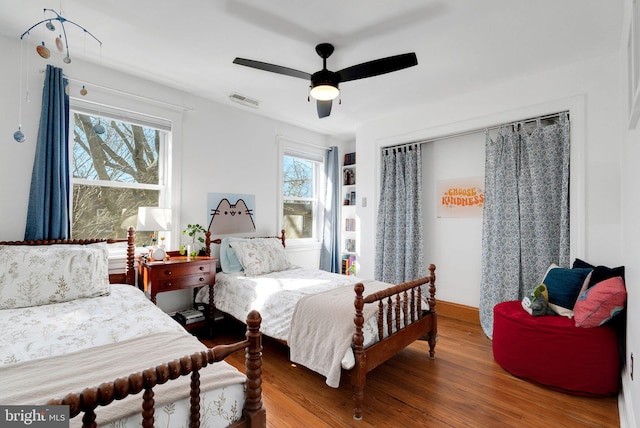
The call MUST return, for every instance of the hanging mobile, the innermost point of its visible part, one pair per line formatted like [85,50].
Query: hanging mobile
[43,51]
[98,128]
[59,43]
[19,135]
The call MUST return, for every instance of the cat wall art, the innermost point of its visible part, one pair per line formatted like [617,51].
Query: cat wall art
[231,213]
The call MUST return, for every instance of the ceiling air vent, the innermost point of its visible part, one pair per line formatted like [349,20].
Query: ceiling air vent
[246,101]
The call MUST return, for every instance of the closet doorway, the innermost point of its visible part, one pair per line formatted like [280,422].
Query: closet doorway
[454,244]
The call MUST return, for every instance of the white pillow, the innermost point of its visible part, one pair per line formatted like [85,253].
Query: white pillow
[261,256]
[39,275]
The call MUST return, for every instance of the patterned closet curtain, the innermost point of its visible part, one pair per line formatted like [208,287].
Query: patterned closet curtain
[48,212]
[399,251]
[526,212]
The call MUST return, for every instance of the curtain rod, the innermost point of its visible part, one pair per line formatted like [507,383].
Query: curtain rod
[483,129]
[415,144]
[129,94]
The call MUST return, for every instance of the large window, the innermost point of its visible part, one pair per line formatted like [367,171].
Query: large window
[117,166]
[301,183]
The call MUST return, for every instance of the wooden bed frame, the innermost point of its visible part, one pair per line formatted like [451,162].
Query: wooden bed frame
[405,299]
[253,413]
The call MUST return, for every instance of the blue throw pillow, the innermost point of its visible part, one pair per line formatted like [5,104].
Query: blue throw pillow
[600,273]
[564,287]
[229,262]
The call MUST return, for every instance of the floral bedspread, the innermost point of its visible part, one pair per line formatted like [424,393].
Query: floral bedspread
[44,331]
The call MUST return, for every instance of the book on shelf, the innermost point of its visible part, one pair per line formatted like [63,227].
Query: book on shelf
[350,224]
[350,158]
[348,265]
[350,198]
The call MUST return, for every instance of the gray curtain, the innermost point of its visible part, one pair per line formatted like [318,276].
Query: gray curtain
[399,250]
[526,212]
[330,252]
[48,212]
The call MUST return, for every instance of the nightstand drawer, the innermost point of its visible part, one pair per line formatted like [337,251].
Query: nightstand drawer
[175,282]
[186,269]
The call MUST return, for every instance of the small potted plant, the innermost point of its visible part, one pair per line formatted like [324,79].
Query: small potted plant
[197,233]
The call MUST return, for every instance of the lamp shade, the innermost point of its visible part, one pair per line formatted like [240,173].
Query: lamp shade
[154,218]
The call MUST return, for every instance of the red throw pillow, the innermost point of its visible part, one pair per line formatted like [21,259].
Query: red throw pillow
[600,303]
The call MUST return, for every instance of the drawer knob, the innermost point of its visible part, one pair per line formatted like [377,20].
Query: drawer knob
[201,267]
[167,272]
[201,279]
[169,284]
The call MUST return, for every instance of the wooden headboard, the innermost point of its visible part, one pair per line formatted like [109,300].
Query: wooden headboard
[218,241]
[126,277]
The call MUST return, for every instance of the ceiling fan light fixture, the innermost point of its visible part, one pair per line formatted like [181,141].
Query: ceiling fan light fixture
[325,92]
[324,83]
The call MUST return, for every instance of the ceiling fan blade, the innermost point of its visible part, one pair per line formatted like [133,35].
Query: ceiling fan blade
[272,68]
[378,66]
[324,108]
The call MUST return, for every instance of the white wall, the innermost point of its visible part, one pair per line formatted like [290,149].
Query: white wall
[631,260]
[453,244]
[216,148]
[630,243]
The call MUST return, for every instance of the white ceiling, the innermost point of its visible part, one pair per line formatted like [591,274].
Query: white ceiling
[460,45]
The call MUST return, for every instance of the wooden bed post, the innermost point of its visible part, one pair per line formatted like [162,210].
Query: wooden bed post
[433,334]
[130,272]
[207,243]
[254,411]
[358,374]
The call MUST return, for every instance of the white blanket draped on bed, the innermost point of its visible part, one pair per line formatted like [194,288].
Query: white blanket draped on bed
[322,329]
[37,381]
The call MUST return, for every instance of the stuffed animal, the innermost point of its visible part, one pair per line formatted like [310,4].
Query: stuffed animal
[537,301]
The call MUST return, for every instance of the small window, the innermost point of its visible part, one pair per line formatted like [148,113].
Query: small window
[116,166]
[300,189]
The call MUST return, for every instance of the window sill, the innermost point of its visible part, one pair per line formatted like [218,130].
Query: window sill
[297,245]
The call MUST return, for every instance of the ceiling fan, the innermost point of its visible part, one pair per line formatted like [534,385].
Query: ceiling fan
[324,83]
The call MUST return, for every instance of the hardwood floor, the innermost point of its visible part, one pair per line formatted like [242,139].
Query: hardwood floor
[462,386]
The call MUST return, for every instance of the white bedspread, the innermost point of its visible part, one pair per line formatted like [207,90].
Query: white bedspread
[275,295]
[50,330]
[42,332]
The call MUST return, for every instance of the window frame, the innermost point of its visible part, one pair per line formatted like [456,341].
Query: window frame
[307,151]
[165,167]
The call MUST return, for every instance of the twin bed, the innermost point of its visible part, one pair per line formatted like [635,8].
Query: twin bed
[70,337]
[330,325]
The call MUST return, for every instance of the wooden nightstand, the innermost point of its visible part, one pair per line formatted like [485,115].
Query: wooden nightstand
[178,273]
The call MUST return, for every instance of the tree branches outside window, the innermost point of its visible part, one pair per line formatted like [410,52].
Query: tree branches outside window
[114,173]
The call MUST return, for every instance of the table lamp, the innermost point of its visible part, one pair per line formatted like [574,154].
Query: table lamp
[154,219]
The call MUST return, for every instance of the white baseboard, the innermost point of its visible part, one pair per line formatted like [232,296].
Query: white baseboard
[625,408]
